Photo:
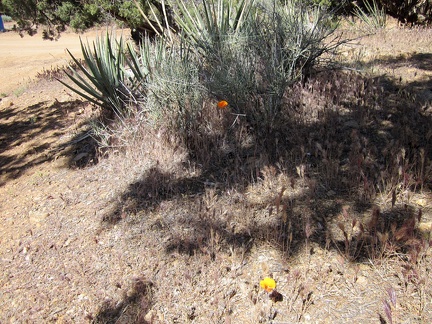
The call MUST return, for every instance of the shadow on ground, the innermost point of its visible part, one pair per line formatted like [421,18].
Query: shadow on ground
[417,63]
[133,307]
[344,137]
[33,135]
[422,61]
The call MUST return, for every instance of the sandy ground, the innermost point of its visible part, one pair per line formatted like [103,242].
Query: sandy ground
[18,67]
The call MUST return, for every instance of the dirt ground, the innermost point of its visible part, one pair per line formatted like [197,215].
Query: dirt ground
[16,52]
[40,121]
[63,261]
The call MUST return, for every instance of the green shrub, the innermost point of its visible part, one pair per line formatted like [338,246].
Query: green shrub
[65,11]
[6,18]
[253,51]
[408,11]
[86,18]
[173,89]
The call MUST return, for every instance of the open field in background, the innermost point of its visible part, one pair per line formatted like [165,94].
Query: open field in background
[341,220]
[16,53]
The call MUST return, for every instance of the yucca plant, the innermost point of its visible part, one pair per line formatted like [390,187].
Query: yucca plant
[211,23]
[102,78]
[373,17]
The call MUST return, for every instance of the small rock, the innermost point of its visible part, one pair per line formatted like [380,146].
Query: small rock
[422,202]
[362,281]
[6,102]
[425,229]
[82,297]
[67,242]
[36,217]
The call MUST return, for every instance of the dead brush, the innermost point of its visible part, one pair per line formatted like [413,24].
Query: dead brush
[384,235]
[404,176]
[285,233]
[390,307]
[136,301]
[56,72]
[415,278]
[382,148]
[341,154]
[277,218]
[212,217]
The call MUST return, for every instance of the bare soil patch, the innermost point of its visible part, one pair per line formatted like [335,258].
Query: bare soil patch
[22,58]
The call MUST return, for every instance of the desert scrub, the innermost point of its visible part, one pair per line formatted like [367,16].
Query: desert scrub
[252,52]
[248,53]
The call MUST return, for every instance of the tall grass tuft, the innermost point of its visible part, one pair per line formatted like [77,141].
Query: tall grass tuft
[174,93]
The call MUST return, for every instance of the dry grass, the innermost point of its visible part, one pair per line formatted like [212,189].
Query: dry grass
[336,207]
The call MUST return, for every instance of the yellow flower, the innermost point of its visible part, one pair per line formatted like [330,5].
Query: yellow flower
[268,284]
[222,104]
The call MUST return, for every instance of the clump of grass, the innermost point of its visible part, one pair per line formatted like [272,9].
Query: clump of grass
[175,97]
[253,53]
[19,91]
